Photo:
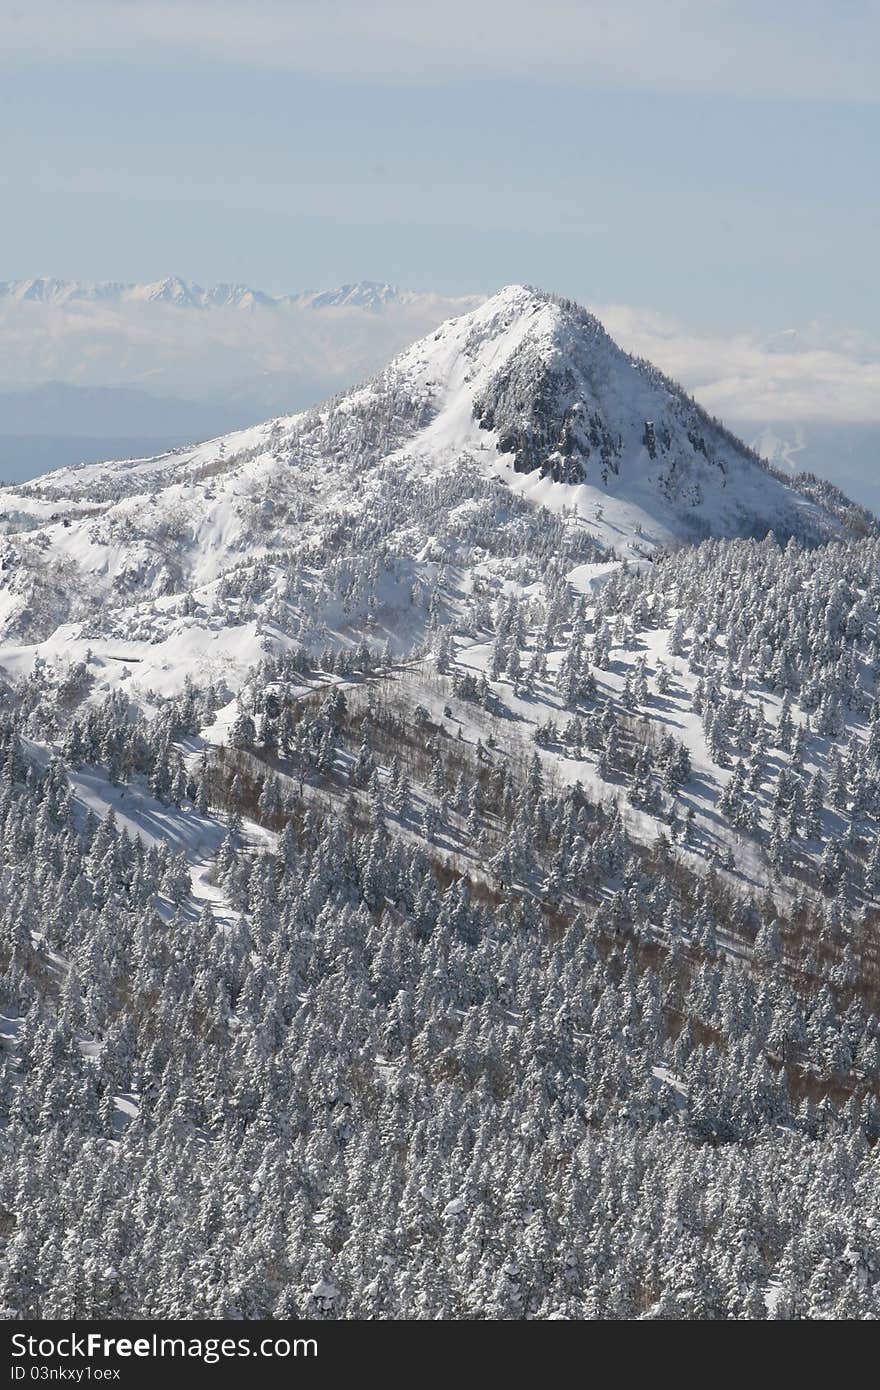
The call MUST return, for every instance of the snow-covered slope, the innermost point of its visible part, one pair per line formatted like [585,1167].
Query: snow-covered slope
[517,428]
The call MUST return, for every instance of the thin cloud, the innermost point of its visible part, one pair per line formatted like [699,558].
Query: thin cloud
[742,48]
[809,374]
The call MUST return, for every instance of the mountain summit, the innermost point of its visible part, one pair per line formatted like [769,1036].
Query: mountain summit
[517,428]
[538,383]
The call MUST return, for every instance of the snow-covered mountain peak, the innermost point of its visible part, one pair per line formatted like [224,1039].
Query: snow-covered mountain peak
[537,382]
[515,429]
[171,290]
[364,294]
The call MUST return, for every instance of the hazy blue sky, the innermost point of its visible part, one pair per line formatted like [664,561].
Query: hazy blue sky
[702,159]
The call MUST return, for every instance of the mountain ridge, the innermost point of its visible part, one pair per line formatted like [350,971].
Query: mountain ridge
[173,290]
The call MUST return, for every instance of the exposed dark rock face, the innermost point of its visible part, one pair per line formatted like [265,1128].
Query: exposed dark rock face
[539,412]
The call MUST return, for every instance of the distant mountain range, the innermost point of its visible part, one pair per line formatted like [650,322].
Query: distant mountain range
[186,294]
[145,366]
